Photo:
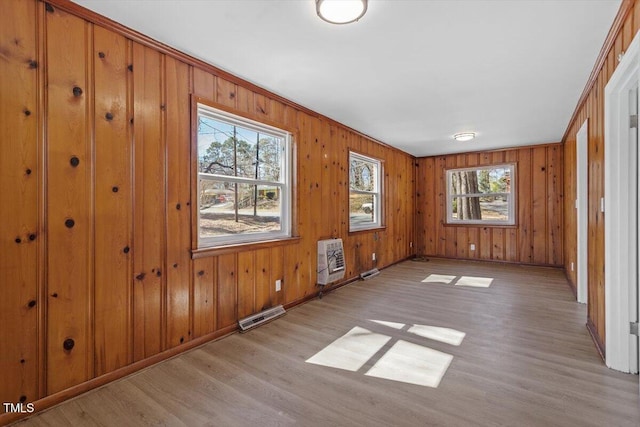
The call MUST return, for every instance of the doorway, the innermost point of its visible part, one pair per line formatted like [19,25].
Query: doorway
[621,212]
[582,191]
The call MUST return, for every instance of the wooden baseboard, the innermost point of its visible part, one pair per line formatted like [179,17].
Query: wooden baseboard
[332,287]
[497,261]
[596,338]
[64,395]
[572,286]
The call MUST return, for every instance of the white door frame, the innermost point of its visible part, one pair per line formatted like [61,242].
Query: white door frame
[582,209]
[621,214]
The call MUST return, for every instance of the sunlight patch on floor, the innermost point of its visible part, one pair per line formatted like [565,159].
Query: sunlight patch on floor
[403,361]
[351,351]
[439,278]
[445,335]
[412,363]
[475,282]
[393,325]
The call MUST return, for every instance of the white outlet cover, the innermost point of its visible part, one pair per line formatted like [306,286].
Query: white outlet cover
[278,285]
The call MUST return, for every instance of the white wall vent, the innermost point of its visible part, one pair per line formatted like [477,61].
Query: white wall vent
[260,318]
[330,261]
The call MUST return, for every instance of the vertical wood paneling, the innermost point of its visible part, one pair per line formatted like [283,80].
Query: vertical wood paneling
[265,288]
[593,111]
[524,205]
[449,232]
[178,181]
[113,202]
[227,297]
[149,202]
[536,192]
[277,273]
[539,204]
[20,236]
[225,92]
[244,100]
[554,205]
[120,281]
[203,84]
[205,278]
[246,284]
[69,221]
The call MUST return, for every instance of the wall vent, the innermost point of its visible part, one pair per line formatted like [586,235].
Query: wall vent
[330,261]
[260,318]
[369,274]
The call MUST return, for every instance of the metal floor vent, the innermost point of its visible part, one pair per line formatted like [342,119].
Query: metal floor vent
[369,274]
[260,318]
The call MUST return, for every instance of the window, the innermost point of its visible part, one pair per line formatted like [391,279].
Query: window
[481,195]
[364,192]
[243,180]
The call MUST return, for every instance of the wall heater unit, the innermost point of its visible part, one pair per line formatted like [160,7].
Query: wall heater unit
[330,261]
[260,318]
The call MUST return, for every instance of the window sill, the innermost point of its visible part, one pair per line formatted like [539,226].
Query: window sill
[368,230]
[241,247]
[448,224]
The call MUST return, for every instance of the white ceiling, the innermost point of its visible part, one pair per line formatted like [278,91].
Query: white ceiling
[409,73]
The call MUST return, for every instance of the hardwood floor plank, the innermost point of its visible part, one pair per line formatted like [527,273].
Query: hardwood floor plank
[522,356]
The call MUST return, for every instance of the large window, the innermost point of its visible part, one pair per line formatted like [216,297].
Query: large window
[365,187]
[481,195]
[243,179]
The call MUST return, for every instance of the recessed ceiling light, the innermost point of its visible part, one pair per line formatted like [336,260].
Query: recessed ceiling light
[341,11]
[464,136]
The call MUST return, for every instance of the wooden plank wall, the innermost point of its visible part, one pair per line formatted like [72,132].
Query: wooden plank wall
[537,237]
[96,269]
[592,109]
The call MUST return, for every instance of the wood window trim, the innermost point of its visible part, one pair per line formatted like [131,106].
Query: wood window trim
[506,226]
[242,247]
[368,230]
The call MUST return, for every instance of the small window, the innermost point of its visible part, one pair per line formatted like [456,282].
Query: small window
[365,211]
[243,179]
[481,195]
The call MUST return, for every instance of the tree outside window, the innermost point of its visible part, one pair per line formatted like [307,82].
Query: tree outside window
[481,195]
[243,179]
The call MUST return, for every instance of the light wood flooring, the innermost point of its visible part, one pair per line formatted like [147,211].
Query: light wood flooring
[526,359]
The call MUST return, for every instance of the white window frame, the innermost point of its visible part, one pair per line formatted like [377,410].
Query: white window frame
[511,196]
[284,184]
[376,192]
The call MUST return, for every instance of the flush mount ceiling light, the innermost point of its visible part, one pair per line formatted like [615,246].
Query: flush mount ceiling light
[464,136]
[341,11]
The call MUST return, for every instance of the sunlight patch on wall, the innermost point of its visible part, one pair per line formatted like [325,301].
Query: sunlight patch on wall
[412,363]
[439,278]
[351,351]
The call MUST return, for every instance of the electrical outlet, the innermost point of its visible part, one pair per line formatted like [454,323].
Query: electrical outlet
[278,285]
[472,247]
[571,266]
[410,244]
[373,256]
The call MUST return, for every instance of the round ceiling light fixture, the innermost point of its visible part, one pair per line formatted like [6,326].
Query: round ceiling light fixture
[464,136]
[341,11]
